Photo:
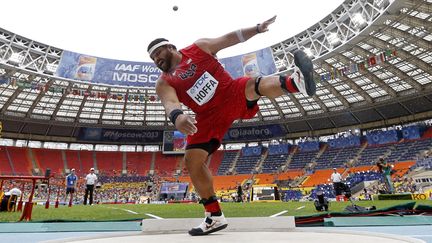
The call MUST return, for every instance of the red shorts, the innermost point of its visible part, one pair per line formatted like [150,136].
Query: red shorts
[215,123]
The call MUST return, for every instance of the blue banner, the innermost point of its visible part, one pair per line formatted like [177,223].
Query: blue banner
[259,63]
[252,151]
[279,149]
[120,135]
[145,74]
[308,146]
[255,133]
[411,132]
[107,71]
[344,142]
[383,137]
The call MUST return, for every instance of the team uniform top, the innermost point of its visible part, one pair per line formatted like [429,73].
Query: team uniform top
[200,80]
[203,85]
[71,180]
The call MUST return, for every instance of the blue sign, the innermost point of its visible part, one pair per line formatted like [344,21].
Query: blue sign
[308,146]
[145,74]
[411,132]
[252,151]
[383,137]
[120,135]
[344,142]
[107,71]
[255,133]
[279,149]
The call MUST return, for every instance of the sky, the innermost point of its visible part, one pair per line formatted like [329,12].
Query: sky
[122,29]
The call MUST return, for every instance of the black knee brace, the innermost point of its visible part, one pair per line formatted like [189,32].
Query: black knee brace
[257,82]
[282,80]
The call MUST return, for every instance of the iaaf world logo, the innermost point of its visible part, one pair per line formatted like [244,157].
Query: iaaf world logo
[235,133]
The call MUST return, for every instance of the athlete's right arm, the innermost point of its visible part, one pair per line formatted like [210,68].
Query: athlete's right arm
[213,45]
[184,123]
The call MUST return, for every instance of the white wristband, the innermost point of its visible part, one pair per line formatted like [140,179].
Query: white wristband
[240,36]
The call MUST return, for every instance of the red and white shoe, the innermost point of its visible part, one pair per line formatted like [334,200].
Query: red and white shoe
[209,225]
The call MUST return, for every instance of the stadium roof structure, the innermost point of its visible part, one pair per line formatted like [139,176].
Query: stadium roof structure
[372,59]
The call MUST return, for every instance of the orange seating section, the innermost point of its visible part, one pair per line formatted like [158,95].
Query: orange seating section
[229,181]
[87,161]
[401,168]
[21,161]
[5,166]
[73,161]
[49,158]
[320,177]
[428,133]
[138,162]
[166,165]
[290,175]
[265,178]
[109,163]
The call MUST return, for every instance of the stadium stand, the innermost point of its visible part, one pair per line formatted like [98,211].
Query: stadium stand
[20,158]
[371,153]
[229,182]
[138,162]
[247,164]
[49,158]
[265,178]
[248,161]
[73,161]
[215,161]
[166,165]
[273,163]
[109,163]
[6,167]
[87,160]
[320,177]
[290,175]
[301,159]
[425,163]
[228,159]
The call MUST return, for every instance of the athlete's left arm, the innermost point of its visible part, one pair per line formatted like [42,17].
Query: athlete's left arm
[213,45]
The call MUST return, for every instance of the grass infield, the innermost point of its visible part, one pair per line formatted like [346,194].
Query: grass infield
[110,212]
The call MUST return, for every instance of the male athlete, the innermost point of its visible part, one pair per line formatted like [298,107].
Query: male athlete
[193,76]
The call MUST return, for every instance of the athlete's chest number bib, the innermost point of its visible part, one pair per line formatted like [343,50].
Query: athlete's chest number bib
[203,89]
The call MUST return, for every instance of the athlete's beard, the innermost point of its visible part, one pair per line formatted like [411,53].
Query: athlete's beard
[167,65]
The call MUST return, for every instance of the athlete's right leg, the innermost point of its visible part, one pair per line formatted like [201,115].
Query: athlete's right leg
[301,80]
[202,180]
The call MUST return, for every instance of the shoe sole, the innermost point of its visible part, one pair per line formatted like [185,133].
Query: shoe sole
[208,232]
[304,63]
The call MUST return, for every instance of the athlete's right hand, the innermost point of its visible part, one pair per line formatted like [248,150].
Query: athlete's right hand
[186,124]
[263,27]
